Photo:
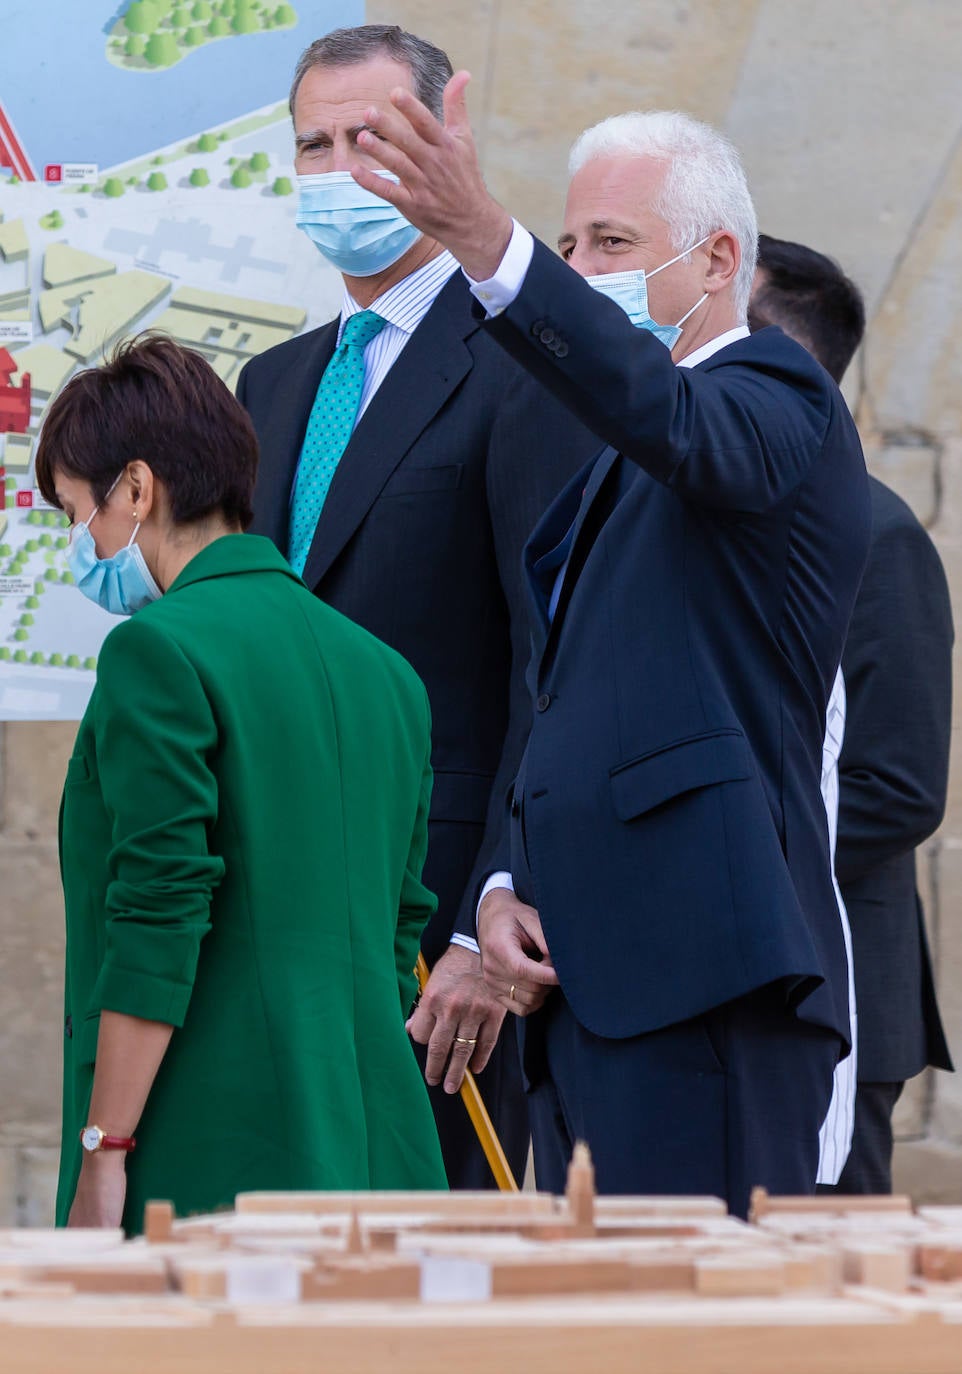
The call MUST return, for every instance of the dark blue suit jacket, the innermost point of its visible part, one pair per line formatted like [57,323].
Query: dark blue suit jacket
[420,541]
[893,775]
[675,828]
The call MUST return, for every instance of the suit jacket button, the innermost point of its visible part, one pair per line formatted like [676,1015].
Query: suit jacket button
[544,701]
[537,327]
[548,336]
[561,350]
[68,1028]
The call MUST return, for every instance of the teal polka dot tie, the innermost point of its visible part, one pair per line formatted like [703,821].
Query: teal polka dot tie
[329,428]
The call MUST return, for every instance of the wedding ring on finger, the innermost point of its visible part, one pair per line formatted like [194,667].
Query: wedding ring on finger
[465,1040]
[511,993]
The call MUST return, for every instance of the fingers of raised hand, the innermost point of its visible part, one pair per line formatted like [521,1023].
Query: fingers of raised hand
[390,160]
[417,115]
[404,125]
[455,102]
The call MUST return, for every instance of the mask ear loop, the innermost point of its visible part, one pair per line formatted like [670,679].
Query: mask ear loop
[691,312]
[671,261]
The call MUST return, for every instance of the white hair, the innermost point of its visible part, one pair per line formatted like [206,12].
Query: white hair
[704,188]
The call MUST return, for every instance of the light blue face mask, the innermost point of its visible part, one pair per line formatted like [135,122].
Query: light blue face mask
[356,231]
[630,291]
[120,584]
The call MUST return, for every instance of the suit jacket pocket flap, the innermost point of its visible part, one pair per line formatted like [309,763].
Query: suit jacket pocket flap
[700,761]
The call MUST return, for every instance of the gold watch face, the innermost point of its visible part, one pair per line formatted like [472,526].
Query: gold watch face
[91,1137]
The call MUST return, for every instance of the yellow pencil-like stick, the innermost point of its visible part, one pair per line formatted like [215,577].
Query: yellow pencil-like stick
[478,1112]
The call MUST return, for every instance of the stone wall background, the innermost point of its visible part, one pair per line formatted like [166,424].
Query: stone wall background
[848,118]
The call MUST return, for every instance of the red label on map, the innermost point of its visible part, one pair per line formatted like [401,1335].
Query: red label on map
[53,171]
[24,498]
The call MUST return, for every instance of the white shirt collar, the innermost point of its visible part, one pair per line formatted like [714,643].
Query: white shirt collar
[740,331]
[406,304]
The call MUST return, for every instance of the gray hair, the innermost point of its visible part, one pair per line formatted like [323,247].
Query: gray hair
[430,67]
[704,188]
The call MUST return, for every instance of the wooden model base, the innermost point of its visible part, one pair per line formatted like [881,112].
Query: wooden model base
[458,1283]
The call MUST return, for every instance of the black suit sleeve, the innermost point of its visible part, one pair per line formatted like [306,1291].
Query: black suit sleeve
[535,448]
[897,665]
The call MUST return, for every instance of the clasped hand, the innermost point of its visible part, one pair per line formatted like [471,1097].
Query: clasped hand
[514,953]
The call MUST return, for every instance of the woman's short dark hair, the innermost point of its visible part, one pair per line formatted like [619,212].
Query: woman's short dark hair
[162,403]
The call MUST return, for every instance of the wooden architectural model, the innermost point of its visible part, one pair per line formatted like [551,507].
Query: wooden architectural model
[464,1282]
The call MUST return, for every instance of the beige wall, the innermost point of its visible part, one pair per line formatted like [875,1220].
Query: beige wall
[847,115]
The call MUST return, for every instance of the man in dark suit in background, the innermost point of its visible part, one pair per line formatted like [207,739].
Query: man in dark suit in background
[404,461]
[893,772]
[691,587]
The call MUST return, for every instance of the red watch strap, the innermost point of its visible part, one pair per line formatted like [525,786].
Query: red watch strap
[118,1142]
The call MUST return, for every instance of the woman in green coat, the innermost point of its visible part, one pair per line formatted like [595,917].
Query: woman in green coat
[242,831]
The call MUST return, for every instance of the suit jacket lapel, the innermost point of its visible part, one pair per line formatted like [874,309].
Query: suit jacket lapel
[430,367]
[294,396]
[583,535]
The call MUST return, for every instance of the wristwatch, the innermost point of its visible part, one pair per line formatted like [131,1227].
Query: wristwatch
[92,1138]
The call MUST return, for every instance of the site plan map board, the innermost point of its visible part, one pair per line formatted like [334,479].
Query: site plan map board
[146,181]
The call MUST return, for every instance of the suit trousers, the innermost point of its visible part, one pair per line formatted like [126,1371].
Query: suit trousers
[715,1105]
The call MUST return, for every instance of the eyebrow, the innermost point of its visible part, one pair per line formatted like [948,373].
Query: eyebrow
[322,136]
[601,224]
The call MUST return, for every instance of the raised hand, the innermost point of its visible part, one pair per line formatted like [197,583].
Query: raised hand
[440,188]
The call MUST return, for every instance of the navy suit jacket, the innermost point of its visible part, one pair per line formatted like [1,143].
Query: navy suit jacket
[674,823]
[420,540]
[893,774]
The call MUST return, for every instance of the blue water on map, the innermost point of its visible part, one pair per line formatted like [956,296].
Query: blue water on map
[67,103]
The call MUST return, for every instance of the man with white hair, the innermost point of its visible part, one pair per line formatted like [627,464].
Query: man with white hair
[664,916]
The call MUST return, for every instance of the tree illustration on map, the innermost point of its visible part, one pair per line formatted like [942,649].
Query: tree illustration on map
[165,202]
[158,33]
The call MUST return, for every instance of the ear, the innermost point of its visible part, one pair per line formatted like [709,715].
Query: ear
[724,259]
[143,488]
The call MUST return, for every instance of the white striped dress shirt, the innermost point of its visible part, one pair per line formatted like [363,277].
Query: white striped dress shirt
[404,306]
[835,1137]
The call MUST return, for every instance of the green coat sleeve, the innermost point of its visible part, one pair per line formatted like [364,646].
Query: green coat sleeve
[418,904]
[154,733]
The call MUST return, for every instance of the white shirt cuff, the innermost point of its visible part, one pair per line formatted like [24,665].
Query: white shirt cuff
[466,942]
[495,880]
[497,293]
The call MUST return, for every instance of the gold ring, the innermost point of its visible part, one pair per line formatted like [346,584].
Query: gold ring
[511,993]
[465,1040]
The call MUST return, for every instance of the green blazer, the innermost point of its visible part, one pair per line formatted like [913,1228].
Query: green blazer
[243,827]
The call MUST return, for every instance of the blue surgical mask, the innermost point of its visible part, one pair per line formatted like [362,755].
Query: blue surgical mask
[356,231]
[120,584]
[630,291]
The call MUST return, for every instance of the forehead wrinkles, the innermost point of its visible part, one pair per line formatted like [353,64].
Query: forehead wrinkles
[331,116]
[342,94]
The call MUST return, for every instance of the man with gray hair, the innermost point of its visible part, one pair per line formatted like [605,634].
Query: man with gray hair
[388,476]
[663,913]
